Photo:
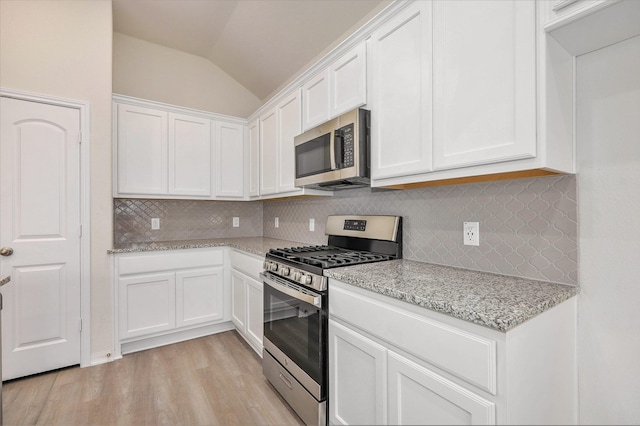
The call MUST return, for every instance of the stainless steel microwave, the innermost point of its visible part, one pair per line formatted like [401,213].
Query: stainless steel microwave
[335,155]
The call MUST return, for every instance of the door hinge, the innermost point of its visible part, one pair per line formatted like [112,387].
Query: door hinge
[80,137]
[80,231]
[80,325]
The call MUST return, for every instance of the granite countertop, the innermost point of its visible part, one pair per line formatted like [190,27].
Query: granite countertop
[254,245]
[495,301]
[5,280]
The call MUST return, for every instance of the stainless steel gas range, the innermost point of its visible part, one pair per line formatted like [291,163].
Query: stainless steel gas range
[296,305]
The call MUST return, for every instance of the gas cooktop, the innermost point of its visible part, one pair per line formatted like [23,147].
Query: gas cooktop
[352,240]
[326,257]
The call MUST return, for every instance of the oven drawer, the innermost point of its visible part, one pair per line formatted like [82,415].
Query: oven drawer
[468,356]
[310,411]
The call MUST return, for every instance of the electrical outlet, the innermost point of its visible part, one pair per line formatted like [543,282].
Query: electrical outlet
[312,225]
[236,222]
[471,233]
[155,223]
[277,222]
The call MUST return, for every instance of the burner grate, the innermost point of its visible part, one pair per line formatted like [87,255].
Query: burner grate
[328,257]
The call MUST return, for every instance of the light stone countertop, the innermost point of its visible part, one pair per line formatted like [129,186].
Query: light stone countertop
[254,245]
[495,301]
[5,280]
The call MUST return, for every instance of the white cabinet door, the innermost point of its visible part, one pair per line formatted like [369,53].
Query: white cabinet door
[189,155]
[199,296]
[419,396]
[289,127]
[255,311]
[142,150]
[401,94]
[339,88]
[269,152]
[254,158]
[315,95]
[238,301]
[348,81]
[229,160]
[147,304]
[357,378]
[484,107]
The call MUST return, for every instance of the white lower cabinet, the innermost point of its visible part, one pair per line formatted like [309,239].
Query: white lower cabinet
[247,312]
[147,304]
[357,382]
[391,362]
[164,297]
[370,384]
[418,395]
[199,296]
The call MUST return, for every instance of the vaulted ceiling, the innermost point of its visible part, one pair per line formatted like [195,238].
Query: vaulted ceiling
[259,43]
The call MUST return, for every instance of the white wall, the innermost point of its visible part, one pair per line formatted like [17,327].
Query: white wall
[150,71]
[63,48]
[609,234]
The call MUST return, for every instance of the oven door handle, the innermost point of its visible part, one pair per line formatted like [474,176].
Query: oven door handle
[291,291]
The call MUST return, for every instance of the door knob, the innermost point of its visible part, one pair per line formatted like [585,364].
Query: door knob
[6,251]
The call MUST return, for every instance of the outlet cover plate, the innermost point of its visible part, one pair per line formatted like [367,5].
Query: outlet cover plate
[471,233]
[236,222]
[155,223]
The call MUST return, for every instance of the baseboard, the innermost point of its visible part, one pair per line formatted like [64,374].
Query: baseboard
[175,337]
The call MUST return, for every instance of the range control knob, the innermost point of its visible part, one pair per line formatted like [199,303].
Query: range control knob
[273,267]
[284,271]
[297,275]
[306,279]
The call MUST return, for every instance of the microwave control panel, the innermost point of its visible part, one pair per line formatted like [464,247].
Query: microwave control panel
[347,134]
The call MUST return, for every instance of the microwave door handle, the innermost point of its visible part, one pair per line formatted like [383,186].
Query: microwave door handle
[338,153]
[290,291]
[332,152]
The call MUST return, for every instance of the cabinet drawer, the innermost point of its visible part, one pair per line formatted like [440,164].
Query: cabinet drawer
[465,355]
[246,263]
[174,260]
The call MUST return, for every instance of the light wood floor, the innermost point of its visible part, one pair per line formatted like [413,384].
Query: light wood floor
[214,380]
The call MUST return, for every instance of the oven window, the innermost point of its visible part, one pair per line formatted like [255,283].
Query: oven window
[314,156]
[297,328]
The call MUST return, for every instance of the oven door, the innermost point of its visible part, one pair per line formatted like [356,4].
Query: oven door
[295,331]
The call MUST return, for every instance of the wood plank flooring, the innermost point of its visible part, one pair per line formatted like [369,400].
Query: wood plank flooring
[214,380]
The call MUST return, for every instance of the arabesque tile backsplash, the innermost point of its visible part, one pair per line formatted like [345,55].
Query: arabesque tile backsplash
[528,227]
[183,220]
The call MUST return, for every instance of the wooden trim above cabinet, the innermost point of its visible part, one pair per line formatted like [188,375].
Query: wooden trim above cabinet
[476,179]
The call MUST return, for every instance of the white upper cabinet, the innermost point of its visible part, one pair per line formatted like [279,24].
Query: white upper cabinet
[142,150]
[269,152]
[582,26]
[279,125]
[163,151]
[401,94]
[348,81]
[229,158]
[316,100]
[338,88]
[254,158]
[189,155]
[288,112]
[489,96]
[484,82]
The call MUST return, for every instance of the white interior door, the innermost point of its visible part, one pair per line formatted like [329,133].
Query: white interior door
[40,221]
